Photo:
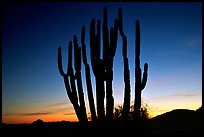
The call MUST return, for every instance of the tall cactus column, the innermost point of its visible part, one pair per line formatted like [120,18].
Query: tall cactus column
[77,65]
[103,68]
[109,49]
[69,78]
[98,68]
[88,77]
[140,82]
[126,104]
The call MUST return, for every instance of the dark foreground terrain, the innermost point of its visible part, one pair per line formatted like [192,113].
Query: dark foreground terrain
[176,122]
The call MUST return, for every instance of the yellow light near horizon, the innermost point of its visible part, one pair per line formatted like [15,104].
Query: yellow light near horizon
[168,104]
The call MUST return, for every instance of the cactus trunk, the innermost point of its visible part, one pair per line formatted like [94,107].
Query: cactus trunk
[77,65]
[140,82]
[126,104]
[109,49]
[88,77]
[73,101]
[98,68]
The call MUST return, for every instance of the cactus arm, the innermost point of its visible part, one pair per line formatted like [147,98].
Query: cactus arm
[60,62]
[105,36]
[72,98]
[77,55]
[92,44]
[77,64]
[71,72]
[84,58]
[111,47]
[144,79]
[69,68]
[114,40]
[98,40]
[71,93]
[120,22]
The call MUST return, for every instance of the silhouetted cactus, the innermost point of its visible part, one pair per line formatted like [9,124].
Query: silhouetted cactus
[126,104]
[98,68]
[103,68]
[140,82]
[103,71]
[109,49]
[69,76]
[77,66]
[88,77]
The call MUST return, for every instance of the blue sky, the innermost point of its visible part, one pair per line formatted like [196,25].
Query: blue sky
[171,43]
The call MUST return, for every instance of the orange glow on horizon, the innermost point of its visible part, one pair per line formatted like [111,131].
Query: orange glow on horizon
[46,118]
[156,107]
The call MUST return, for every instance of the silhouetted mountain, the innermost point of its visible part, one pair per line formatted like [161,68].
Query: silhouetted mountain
[179,121]
[38,122]
[200,110]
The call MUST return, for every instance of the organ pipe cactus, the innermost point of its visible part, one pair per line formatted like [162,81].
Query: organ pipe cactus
[126,104]
[69,79]
[88,77]
[103,71]
[77,66]
[98,68]
[109,50]
[140,82]
[103,68]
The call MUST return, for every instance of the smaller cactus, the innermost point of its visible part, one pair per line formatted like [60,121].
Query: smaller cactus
[72,96]
[69,79]
[140,82]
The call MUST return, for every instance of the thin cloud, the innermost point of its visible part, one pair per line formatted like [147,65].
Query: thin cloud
[189,94]
[169,52]
[28,114]
[186,95]
[36,114]
[11,114]
[57,104]
[192,42]
[70,113]
[61,109]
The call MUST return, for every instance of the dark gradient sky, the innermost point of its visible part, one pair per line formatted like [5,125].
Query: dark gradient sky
[171,43]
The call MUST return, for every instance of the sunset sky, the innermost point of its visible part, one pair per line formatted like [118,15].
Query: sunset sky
[32,88]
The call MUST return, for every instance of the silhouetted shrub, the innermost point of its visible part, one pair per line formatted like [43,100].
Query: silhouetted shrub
[144,112]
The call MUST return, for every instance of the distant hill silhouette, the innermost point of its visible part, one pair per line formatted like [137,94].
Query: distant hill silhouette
[178,121]
[38,122]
